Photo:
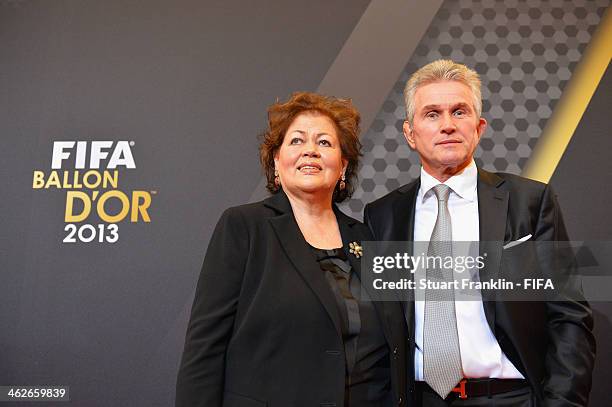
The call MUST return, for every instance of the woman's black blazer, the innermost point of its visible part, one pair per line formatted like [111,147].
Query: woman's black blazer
[264,328]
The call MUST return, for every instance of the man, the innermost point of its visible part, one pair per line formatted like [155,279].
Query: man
[479,353]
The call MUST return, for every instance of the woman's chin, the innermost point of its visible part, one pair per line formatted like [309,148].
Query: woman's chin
[313,188]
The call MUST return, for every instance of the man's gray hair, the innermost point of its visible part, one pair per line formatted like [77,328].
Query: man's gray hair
[442,70]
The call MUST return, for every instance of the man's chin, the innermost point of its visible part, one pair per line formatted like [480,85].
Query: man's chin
[454,166]
[455,161]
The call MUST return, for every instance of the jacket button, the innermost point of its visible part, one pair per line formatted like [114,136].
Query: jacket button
[395,350]
[400,400]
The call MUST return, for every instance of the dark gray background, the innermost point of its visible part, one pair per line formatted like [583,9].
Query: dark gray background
[582,182]
[189,83]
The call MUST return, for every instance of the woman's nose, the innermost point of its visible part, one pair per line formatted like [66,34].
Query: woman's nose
[311,149]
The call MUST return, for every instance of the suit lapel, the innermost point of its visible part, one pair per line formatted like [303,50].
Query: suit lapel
[403,226]
[295,247]
[402,222]
[351,234]
[492,213]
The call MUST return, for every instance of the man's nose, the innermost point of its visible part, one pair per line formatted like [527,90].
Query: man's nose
[448,125]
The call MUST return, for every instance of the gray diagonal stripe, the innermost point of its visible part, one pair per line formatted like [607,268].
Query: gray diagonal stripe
[373,57]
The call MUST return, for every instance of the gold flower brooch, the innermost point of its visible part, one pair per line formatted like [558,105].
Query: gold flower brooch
[356,249]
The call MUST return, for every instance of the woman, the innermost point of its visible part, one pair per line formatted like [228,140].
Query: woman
[278,318]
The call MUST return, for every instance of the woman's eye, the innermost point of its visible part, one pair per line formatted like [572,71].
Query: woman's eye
[295,140]
[325,143]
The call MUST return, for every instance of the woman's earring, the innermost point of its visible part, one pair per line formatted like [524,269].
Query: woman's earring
[276,179]
[342,183]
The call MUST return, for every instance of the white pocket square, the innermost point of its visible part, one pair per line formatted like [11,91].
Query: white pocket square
[517,242]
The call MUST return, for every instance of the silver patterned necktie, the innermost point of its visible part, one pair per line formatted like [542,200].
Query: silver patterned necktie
[441,354]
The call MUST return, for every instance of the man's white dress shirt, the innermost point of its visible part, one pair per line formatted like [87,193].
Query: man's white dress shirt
[481,355]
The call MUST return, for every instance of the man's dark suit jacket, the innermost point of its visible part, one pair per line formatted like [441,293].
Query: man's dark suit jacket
[265,328]
[550,343]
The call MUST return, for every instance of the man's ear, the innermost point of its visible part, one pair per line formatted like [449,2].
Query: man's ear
[409,134]
[482,126]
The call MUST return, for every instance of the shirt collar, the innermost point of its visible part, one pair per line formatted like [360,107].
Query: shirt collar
[462,184]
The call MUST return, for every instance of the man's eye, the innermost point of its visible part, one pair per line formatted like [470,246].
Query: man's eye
[459,113]
[431,115]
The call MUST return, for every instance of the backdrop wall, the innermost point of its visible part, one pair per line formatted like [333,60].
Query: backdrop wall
[180,89]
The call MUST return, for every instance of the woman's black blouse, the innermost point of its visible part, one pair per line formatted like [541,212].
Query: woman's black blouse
[368,381]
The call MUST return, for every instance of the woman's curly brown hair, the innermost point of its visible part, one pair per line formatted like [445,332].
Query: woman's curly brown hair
[341,112]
